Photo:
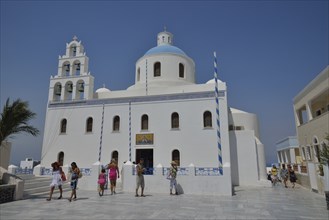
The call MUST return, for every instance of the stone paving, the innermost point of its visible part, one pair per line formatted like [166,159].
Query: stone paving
[262,202]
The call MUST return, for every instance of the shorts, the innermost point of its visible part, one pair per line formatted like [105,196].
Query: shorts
[74,184]
[140,181]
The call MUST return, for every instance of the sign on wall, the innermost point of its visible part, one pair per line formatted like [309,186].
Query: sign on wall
[144,139]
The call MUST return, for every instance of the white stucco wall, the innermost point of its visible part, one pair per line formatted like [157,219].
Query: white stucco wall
[244,158]
[196,144]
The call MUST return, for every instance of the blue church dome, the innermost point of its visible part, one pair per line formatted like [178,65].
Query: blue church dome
[165,49]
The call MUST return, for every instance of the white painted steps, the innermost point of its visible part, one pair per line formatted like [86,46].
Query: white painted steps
[39,186]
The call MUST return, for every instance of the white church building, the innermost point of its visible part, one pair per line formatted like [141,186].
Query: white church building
[164,116]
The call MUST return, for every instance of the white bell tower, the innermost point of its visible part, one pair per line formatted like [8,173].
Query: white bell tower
[73,81]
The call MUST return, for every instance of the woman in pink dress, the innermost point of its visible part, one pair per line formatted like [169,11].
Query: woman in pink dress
[101,182]
[113,175]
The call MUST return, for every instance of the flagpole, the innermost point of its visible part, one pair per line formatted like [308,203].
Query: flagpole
[219,145]
[101,137]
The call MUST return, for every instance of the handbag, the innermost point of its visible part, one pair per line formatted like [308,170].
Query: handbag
[63,177]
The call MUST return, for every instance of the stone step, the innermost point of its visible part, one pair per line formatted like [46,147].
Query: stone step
[44,190]
[35,186]
[25,176]
[36,183]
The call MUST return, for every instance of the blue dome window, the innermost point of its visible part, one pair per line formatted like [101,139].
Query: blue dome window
[165,49]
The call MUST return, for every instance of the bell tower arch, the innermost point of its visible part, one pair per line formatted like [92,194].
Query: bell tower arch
[73,80]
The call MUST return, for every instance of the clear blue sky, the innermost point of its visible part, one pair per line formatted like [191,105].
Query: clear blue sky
[267,51]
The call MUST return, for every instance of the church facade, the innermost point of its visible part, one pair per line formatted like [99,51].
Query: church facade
[164,116]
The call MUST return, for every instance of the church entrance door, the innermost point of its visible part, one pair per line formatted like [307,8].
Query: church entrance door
[147,155]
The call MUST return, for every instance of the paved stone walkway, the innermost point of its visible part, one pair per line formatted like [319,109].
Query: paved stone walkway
[248,203]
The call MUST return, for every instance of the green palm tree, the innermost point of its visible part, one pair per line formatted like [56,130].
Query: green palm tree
[14,119]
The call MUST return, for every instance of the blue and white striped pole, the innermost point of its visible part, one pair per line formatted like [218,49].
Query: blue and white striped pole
[130,131]
[146,89]
[101,137]
[219,145]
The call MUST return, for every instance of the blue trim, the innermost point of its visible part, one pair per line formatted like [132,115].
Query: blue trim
[165,49]
[23,171]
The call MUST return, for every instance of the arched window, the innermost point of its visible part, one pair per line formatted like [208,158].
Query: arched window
[207,119]
[174,120]
[175,157]
[63,126]
[73,50]
[89,124]
[157,69]
[68,91]
[181,71]
[116,123]
[76,68]
[308,153]
[80,90]
[316,149]
[138,74]
[60,158]
[66,69]
[145,122]
[57,92]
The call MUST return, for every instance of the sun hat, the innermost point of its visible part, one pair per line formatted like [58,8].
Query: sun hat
[173,163]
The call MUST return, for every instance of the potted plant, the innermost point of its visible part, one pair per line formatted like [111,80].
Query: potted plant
[324,161]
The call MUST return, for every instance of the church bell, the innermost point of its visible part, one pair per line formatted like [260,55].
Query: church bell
[70,87]
[58,90]
[78,66]
[67,69]
[81,87]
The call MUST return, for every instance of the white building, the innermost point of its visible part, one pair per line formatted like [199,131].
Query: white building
[28,163]
[164,116]
[311,110]
[287,151]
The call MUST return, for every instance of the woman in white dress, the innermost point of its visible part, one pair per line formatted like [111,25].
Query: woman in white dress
[57,180]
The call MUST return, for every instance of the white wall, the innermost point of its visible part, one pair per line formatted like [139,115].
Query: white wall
[191,184]
[196,144]
[244,158]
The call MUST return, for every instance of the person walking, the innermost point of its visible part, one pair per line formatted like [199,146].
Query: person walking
[113,175]
[101,182]
[173,175]
[75,174]
[292,176]
[56,181]
[284,175]
[140,177]
[274,173]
